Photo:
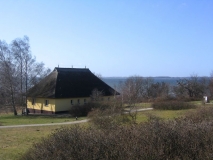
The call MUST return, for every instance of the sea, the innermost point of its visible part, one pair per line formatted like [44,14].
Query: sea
[115,81]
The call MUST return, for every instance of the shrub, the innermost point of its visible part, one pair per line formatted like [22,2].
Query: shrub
[190,137]
[108,119]
[177,139]
[172,105]
[79,110]
[83,110]
[200,115]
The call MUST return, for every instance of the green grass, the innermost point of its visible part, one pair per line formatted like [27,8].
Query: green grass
[144,105]
[16,141]
[10,119]
[198,103]
[164,114]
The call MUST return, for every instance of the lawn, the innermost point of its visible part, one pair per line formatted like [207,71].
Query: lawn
[10,119]
[164,114]
[15,141]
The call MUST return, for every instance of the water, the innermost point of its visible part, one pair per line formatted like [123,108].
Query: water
[114,81]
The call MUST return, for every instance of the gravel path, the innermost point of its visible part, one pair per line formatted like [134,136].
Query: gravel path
[63,123]
[47,124]
[139,110]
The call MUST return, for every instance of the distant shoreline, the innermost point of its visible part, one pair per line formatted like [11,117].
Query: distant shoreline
[144,77]
[115,81]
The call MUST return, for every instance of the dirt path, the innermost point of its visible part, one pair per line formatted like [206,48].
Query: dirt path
[139,110]
[63,123]
[48,124]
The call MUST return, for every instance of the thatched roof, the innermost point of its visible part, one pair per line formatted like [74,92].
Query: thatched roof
[69,83]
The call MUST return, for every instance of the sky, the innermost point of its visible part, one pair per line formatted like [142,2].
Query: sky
[115,38]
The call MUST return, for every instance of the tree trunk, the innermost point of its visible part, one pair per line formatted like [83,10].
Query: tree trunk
[14,111]
[13,102]
[26,82]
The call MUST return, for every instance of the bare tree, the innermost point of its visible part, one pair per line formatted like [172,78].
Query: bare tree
[30,70]
[98,75]
[179,91]
[211,84]
[19,71]
[195,86]
[8,78]
[147,87]
[20,49]
[160,90]
[96,95]
[132,93]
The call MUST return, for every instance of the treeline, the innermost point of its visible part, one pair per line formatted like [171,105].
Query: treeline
[137,89]
[145,89]
[19,71]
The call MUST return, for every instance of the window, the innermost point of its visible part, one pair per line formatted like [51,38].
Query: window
[46,102]
[71,102]
[33,101]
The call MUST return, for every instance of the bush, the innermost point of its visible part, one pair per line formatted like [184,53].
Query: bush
[172,105]
[200,115]
[109,118]
[189,137]
[156,139]
[80,110]
[83,110]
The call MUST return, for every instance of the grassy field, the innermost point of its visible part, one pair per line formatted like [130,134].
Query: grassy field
[15,141]
[10,119]
[164,114]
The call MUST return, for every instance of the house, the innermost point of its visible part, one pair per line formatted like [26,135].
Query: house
[65,87]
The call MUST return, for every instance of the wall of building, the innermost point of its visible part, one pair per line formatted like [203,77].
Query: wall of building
[65,104]
[39,105]
[57,105]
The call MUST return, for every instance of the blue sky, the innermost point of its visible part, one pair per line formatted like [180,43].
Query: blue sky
[115,37]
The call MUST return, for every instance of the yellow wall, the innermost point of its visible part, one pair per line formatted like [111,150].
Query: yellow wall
[57,105]
[40,104]
[65,104]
